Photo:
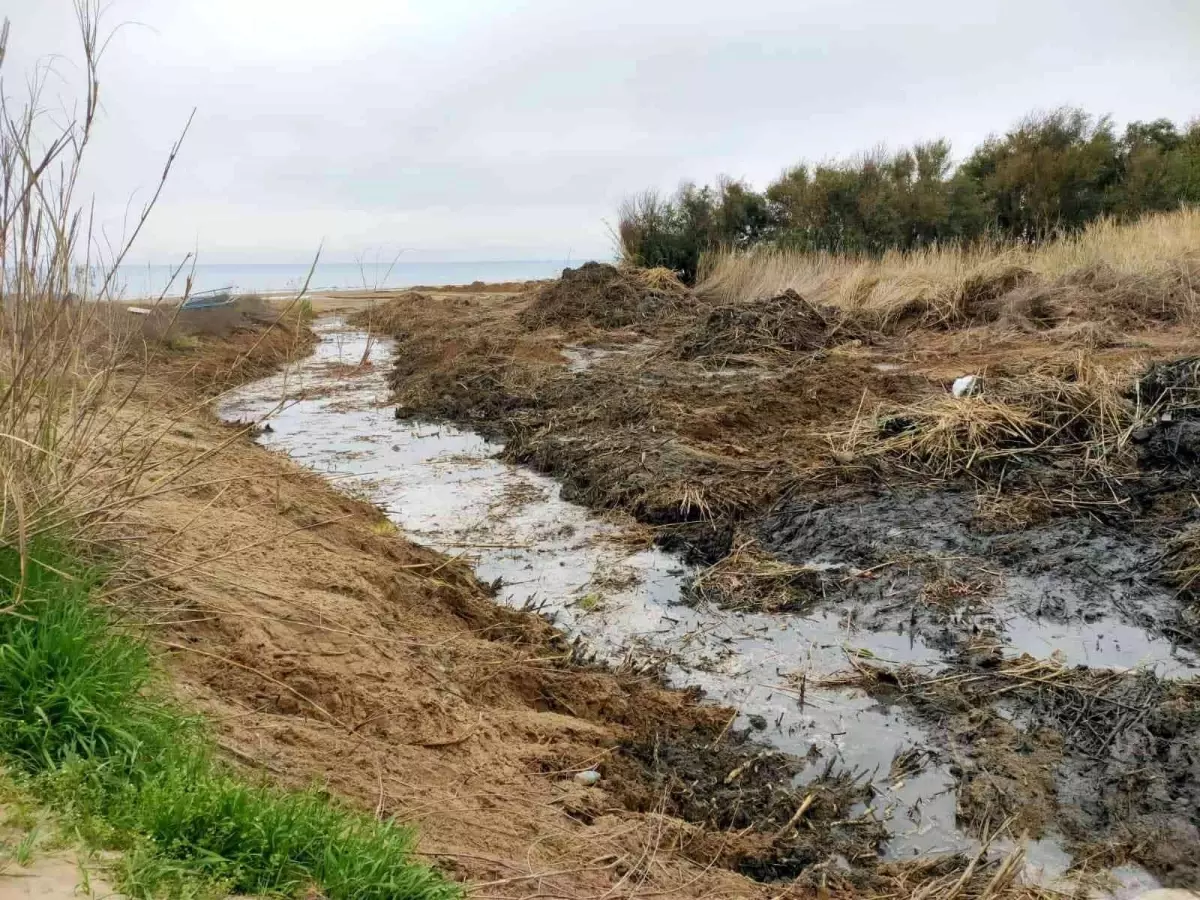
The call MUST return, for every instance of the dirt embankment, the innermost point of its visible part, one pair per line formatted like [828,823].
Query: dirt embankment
[819,457]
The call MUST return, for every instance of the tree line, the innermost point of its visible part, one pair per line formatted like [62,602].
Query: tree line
[1051,174]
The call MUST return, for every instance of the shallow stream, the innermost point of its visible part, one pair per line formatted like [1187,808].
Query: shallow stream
[444,487]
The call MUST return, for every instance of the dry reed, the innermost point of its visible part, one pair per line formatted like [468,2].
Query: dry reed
[1079,412]
[74,360]
[1153,263]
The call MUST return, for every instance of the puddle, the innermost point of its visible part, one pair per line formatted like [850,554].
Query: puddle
[443,487]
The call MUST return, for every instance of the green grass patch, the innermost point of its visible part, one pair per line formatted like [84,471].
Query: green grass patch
[86,722]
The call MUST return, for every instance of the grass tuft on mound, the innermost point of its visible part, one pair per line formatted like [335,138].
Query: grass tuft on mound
[85,720]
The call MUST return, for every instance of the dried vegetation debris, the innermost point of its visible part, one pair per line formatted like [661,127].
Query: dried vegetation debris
[1111,759]
[730,785]
[608,297]
[1074,411]
[784,324]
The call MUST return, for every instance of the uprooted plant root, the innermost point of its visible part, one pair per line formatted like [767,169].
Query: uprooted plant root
[1107,757]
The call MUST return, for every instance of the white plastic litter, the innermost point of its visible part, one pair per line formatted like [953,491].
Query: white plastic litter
[966,386]
[588,777]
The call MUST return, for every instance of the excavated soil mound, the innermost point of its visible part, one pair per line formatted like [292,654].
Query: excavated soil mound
[784,323]
[607,297]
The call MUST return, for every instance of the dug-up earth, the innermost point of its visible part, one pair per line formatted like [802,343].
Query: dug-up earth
[1037,528]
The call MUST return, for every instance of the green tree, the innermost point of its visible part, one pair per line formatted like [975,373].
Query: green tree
[1053,171]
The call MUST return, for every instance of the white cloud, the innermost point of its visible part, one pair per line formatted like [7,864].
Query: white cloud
[483,128]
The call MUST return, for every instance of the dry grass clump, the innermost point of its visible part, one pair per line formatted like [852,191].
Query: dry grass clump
[608,297]
[751,578]
[1144,270]
[75,361]
[1183,556]
[1078,411]
[787,323]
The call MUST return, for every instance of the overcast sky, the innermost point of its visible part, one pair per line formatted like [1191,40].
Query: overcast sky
[471,129]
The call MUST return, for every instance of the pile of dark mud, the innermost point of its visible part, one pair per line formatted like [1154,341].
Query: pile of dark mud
[1109,759]
[1172,390]
[607,297]
[772,823]
[786,323]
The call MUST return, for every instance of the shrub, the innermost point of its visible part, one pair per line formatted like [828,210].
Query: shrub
[1050,175]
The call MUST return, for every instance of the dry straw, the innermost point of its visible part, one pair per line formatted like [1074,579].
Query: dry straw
[1151,266]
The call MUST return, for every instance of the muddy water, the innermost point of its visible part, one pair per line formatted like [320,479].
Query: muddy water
[443,487]
[1071,588]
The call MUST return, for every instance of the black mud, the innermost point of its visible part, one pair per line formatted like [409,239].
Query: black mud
[920,560]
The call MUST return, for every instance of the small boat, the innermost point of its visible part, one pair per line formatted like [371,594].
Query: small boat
[209,299]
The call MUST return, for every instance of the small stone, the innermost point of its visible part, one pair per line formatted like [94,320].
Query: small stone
[588,777]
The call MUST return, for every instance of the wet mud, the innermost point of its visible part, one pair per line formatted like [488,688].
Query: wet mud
[731,784]
[918,560]
[1108,759]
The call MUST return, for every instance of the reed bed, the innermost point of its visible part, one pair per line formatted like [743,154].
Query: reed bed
[1150,266]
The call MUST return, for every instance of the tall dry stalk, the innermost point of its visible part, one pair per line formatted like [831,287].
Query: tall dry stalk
[63,343]
[1154,259]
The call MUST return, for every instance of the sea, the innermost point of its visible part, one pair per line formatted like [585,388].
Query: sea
[141,281]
